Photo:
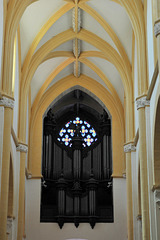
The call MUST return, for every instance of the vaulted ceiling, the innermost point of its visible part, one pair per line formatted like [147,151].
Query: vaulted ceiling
[93,38]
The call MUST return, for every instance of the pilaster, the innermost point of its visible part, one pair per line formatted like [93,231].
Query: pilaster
[23,148]
[8,105]
[141,104]
[139,227]
[9,228]
[128,148]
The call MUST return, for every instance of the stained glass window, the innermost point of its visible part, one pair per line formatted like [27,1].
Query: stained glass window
[87,132]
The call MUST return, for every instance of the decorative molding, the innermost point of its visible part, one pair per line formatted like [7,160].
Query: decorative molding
[7,102]
[129,148]
[157,28]
[157,197]
[78,20]
[76,49]
[142,102]
[22,148]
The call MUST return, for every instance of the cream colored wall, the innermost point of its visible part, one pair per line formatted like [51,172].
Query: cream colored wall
[50,231]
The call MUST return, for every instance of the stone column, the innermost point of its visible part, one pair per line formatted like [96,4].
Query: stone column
[157,212]
[10,228]
[139,227]
[141,103]
[23,150]
[8,106]
[128,148]
[150,168]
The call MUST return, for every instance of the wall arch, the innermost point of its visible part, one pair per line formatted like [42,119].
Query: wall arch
[35,146]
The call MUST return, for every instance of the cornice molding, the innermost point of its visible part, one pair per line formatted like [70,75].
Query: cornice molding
[7,102]
[142,102]
[157,28]
[22,148]
[129,147]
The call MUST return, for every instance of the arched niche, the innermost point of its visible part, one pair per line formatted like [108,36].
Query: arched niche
[51,96]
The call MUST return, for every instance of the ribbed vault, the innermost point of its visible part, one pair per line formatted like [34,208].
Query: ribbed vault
[79,48]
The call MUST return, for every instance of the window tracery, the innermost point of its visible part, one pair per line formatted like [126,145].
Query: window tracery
[67,133]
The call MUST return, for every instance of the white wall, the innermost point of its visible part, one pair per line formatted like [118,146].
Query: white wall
[50,231]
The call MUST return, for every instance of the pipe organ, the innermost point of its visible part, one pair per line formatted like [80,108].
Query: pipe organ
[77,170]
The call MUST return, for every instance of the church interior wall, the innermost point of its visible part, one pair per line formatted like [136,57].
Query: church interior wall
[117,230]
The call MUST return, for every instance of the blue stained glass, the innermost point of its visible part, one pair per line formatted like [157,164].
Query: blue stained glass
[67,124]
[85,129]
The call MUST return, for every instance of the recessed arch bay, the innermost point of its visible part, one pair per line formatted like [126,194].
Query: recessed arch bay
[47,99]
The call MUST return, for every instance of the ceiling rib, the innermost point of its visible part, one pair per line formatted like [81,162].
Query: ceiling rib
[76,24]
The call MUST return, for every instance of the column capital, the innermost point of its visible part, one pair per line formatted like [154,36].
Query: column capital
[22,148]
[7,102]
[157,28]
[129,147]
[142,102]
[157,197]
